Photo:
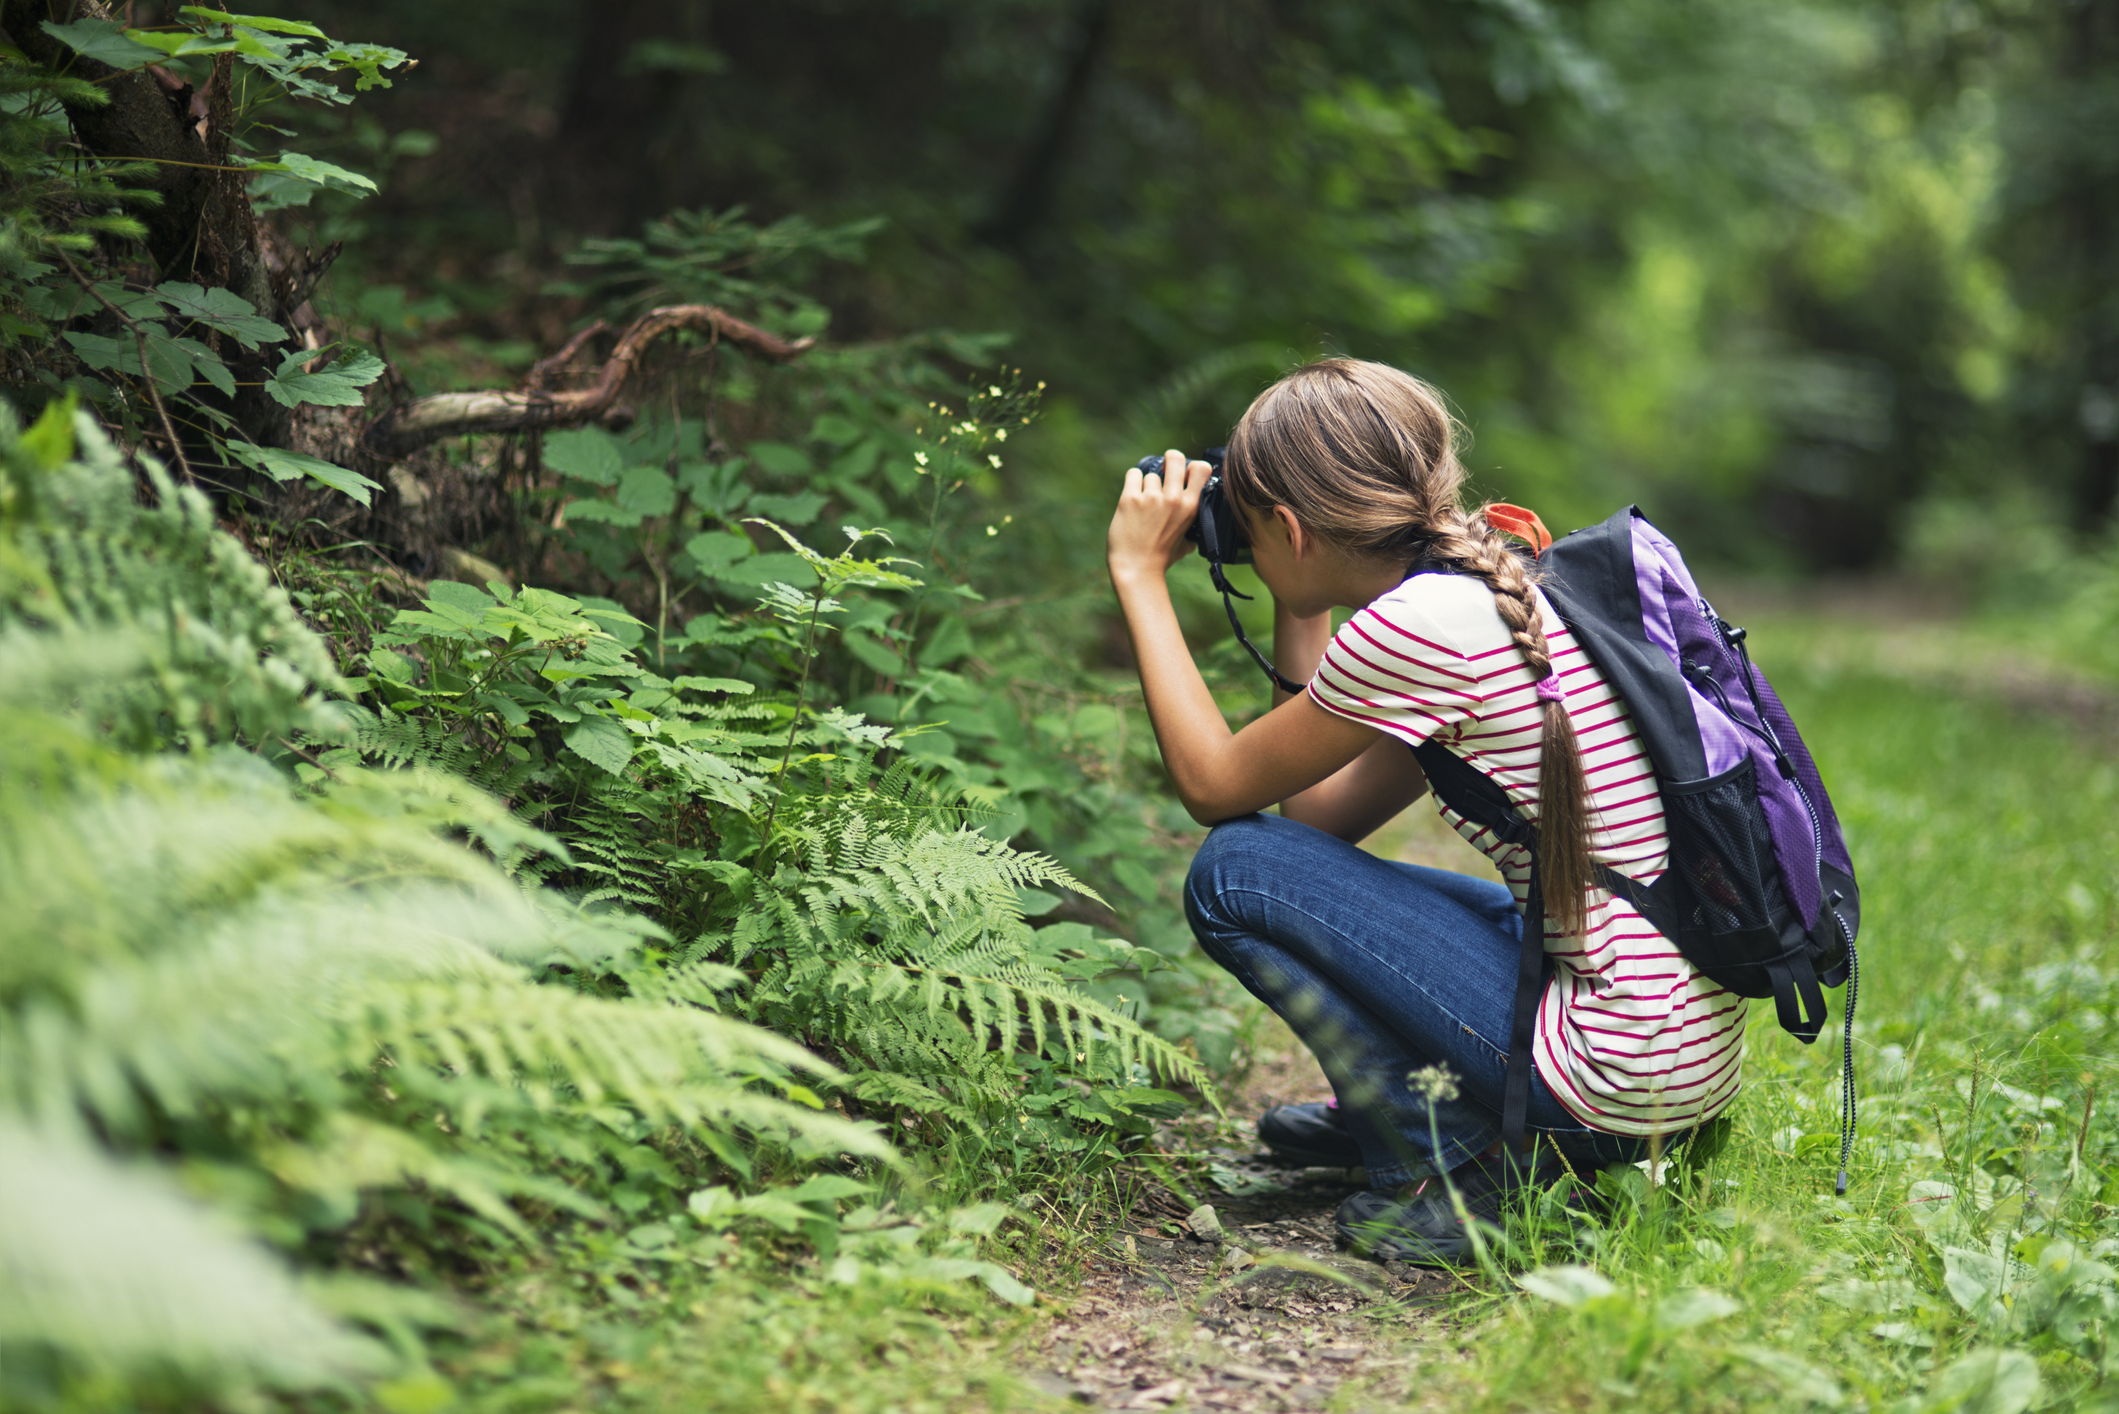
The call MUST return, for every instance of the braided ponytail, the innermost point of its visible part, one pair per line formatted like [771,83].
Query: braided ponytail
[1365,456]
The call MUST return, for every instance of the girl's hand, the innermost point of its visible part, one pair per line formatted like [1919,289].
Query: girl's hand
[1154,512]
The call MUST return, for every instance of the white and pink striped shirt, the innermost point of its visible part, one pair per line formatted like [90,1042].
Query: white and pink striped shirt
[1631,1038]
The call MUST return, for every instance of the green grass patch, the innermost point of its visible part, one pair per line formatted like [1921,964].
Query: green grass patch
[1970,1264]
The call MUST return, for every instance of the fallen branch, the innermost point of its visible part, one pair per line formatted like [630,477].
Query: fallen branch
[404,430]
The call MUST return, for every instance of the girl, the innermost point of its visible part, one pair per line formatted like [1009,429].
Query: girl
[1346,478]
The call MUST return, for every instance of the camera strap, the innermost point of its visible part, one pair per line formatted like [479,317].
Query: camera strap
[1229,595]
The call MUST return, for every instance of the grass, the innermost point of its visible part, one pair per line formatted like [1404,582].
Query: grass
[1964,1268]
[1985,843]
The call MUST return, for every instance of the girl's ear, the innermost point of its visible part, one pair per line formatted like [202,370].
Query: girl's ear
[1298,539]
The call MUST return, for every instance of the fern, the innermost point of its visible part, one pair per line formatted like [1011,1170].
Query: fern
[903,947]
[112,1265]
[329,992]
[223,651]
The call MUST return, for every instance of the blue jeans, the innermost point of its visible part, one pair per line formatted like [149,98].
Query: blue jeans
[1382,969]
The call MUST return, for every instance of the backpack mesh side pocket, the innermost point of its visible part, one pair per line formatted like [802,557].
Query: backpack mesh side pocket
[1721,848]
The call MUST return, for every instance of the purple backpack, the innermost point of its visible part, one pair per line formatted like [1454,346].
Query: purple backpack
[1760,893]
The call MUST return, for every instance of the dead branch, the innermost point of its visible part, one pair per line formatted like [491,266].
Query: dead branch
[404,430]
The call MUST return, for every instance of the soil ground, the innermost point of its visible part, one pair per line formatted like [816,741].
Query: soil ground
[1265,1314]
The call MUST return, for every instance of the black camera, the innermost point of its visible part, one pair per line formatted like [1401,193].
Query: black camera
[1219,535]
[1218,532]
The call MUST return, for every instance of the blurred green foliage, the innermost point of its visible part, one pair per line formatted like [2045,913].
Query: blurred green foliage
[1788,274]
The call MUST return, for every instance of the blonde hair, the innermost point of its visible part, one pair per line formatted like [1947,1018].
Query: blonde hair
[1366,458]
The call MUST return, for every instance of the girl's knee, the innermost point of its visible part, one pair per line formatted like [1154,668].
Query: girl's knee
[1226,853]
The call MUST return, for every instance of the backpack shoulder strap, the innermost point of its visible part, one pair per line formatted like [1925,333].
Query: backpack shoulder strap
[1593,583]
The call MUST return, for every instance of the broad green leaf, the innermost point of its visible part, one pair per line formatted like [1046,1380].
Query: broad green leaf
[100,351]
[367,61]
[70,301]
[1987,1382]
[779,459]
[647,491]
[827,1188]
[874,654]
[178,44]
[1693,1306]
[338,385]
[283,465]
[103,41]
[206,364]
[326,175]
[834,429]
[698,684]
[50,439]
[1567,1284]
[169,362]
[715,550]
[587,454]
[996,1279]
[596,509]
[798,509]
[1976,1281]
[265,22]
[757,571]
[220,309]
[602,742]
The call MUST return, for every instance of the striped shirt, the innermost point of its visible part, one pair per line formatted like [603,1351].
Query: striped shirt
[1631,1038]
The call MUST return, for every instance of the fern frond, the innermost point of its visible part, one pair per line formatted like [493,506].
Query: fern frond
[113,1267]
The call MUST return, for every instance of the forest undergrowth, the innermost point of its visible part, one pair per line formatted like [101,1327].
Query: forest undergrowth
[652,886]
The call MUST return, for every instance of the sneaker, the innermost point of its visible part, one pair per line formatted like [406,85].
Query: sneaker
[1420,1225]
[1312,1136]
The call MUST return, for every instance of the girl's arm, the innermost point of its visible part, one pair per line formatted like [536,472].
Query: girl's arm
[1218,775]
[1359,798]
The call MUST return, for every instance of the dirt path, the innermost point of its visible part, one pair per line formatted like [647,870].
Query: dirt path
[1253,1308]
[1249,1308]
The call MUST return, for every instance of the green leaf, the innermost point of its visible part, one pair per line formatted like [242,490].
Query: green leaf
[169,362]
[689,683]
[1987,1382]
[596,509]
[206,364]
[757,571]
[1976,1281]
[827,1188]
[178,44]
[587,454]
[100,351]
[338,385]
[324,176]
[283,465]
[602,742]
[265,22]
[50,439]
[779,459]
[1694,1306]
[103,41]
[836,430]
[798,509]
[1566,1284]
[715,550]
[647,491]
[223,310]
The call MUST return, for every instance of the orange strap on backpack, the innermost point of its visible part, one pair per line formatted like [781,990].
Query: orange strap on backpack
[1523,524]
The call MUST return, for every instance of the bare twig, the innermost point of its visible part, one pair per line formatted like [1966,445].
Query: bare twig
[404,430]
[542,372]
[139,340]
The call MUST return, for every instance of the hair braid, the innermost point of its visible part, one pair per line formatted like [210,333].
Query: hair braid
[1563,791]
[1366,458]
